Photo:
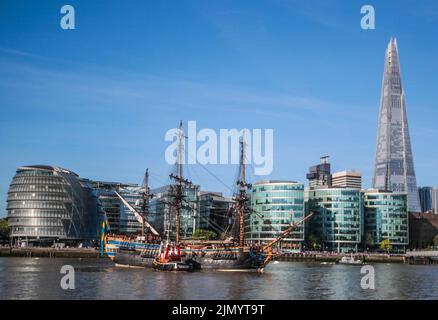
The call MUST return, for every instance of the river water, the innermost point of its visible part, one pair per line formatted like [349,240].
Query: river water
[39,278]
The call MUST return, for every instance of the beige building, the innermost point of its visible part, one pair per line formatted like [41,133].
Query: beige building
[347,179]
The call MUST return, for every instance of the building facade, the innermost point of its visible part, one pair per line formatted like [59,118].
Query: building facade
[275,205]
[347,179]
[337,223]
[394,163]
[163,212]
[215,214]
[48,204]
[423,228]
[319,175]
[386,217]
[435,200]
[120,219]
[425,194]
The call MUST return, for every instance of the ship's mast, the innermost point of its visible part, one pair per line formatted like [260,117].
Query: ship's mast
[179,183]
[242,198]
[145,208]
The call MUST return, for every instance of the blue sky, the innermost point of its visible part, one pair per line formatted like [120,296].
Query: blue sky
[99,99]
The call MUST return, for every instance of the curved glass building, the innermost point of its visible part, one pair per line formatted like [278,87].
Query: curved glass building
[275,205]
[337,223]
[386,217]
[50,204]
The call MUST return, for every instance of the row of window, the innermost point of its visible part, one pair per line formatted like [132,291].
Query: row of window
[38,180]
[285,187]
[35,188]
[39,196]
[34,205]
[38,213]
[38,231]
[46,222]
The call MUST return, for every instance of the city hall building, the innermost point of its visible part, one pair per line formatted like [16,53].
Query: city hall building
[48,204]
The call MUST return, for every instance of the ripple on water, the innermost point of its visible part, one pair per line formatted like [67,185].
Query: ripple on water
[29,278]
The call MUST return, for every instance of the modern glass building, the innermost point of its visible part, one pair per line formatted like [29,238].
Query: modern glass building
[163,212]
[337,223]
[394,162]
[275,205]
[50,204]
[120,219]
[426,197]
[214,211]
[128,222]
[386,217]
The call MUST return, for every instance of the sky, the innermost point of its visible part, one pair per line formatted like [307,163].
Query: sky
[99,99]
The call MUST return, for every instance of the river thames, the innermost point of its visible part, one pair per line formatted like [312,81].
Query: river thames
[39,278]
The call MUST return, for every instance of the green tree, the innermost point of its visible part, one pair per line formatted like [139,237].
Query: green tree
[314,242]
[204,234]
[386,245]
[435,241]
[4,229]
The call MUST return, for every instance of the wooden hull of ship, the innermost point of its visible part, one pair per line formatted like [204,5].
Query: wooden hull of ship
[242,259]
[133,258]
[143,255]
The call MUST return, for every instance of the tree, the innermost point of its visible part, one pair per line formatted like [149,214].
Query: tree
[386,245]
[314,242]
[435,241]
[4,229]
[204,234]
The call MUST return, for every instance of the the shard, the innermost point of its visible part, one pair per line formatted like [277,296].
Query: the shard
[394,163]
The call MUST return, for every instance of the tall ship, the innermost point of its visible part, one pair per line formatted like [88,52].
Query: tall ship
[174,253]
[133,251]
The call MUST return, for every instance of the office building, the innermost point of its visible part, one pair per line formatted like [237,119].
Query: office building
[337,221]
[215,211]
[347,179]
[386,218]
[120,219]
[425,194]
[163,211]
[275,205]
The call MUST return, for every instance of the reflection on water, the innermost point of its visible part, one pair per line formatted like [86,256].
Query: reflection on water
[31,278]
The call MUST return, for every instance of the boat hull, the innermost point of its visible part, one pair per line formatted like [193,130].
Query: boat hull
[172,266]
[133,258]
[227,258]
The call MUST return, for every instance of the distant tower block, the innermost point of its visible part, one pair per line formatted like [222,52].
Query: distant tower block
[347,179]
[394,164]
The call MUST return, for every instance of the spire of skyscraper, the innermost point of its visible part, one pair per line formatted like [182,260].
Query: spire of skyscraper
[394,163]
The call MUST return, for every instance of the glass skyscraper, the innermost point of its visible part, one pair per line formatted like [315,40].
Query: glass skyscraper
[394,163]
[386,217]
[425,194]
[275,205]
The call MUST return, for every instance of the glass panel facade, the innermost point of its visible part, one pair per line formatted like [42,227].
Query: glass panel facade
[163,213]
[338,218]
[275,206]
[50,203]
[386,217]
